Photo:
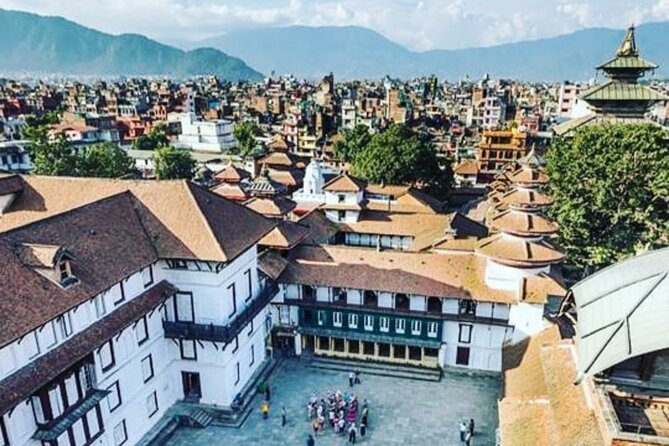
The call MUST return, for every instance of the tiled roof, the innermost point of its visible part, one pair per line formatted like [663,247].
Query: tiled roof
[98,235]
[10,184]
[523,223]
[320,228]
[525,198]
[344,183]
[467,167]
[622,91]
[626,62]
[183,219]
[286,235]
[271,263]
[18,386]
[440,275]
[274,207]
[529,176]
[519,252]
[230,191]
[231,174]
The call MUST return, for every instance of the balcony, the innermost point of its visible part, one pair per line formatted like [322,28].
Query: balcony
[221,333]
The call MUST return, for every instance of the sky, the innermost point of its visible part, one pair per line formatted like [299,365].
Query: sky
[418,25]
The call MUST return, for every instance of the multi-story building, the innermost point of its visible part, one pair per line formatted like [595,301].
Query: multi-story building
[499,147]
[114,306]
[568,97]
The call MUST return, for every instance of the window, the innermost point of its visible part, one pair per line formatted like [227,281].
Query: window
[432,329]
[462,356]
[352,320]
[467,307]
[114,397]
[400,325]
[65,325]
[249,282]
[321,317]
[308,316]
[64,272]
[50,335]
[147,368]
[237,375]
[341,215]
[147,276]
[122,298]
[3,432]
[337,319]
[415,327]
[177,264]
[338,344]
[151,404]
[369,322]
[188,349]
[384,324]
[253,356]
[233,295]
[120,434]
[106,356]
[250,332]
[141,331]
[100,307]
[465,335]
[339,295]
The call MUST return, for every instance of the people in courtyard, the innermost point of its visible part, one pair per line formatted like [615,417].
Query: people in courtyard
[352,433]
[351,379]
[471,426]
[468,439]
[357,376]
[264,409]
[283,416]
[463,431]
[363,429]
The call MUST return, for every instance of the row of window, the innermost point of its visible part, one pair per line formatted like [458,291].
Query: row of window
[369,323]
[120,430]
[114,401]
[106,352]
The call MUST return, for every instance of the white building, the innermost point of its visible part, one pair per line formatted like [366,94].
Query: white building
[14,156]
[205,136]
[119,306]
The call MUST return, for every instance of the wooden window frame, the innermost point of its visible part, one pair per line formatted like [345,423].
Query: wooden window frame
[152,374]
[111,353]
[144,323]
[181,349]
[150,282]
[153,395]
[117,386]
[125,433]
[470,328]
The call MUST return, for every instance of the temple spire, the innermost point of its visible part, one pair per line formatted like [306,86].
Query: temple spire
[628,47]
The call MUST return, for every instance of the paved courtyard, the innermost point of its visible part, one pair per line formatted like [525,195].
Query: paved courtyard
[402,412]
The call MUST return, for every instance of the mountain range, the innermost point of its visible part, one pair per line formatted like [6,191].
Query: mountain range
[355,52]
[33,43]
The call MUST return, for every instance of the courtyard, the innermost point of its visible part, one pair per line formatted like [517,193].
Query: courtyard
[402,411]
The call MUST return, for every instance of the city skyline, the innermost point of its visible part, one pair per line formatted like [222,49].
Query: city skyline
[421,25]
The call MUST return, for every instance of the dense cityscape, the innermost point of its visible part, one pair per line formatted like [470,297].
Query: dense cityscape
[245,259]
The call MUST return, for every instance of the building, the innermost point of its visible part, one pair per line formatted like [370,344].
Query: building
[621,98]
[500,147]
[204,136]
[114,306]
[567,98]
[15,157]
[598,375]
[385,275]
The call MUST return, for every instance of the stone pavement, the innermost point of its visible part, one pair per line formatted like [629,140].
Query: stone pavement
[401,411]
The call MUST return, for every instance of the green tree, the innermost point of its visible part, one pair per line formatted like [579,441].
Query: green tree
[353,142]
[171,163]
[245,133]
[50,156]
[400,156]
[157,137]
[611,189]
[105,160]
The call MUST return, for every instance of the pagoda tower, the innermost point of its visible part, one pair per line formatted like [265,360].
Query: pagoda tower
[519,248]
[621,98]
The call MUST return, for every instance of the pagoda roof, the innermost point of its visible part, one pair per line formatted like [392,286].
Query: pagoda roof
[523,223]
[514,251]
[525,198]
[622,91]
[528,175]
[627,62]
[344,183]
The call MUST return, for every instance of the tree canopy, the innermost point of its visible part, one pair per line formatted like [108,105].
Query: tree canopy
[171,164]
[611,189]
[55,156]
[354,141]
[245,133]
[157,137]
[400,156]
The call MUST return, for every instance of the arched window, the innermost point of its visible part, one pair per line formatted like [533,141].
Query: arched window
[401,301]
[370,299]
[434,305]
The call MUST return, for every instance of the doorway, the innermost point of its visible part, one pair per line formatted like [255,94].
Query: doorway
[191,385]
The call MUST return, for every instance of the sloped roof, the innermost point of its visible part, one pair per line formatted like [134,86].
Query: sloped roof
[523,223]
[231,174]
[230,191]
[273,207]
[622,91]
[286,235]
[183,219]
[525,198]
[344,183]
[530,176]
[622,311]
[516,251]
[467,167]
[10,184]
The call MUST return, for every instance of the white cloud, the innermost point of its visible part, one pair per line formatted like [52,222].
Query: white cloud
[421,25]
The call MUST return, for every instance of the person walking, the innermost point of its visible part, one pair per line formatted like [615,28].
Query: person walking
[283,416]
[463,431]
[351,379]
[365,415]
[468,439]
[264,409]
[471,426]
[352,433]
[363,429]
[311,441]
[268,393]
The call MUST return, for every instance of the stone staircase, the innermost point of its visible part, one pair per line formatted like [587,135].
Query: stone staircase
[374,368]
[200,417]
